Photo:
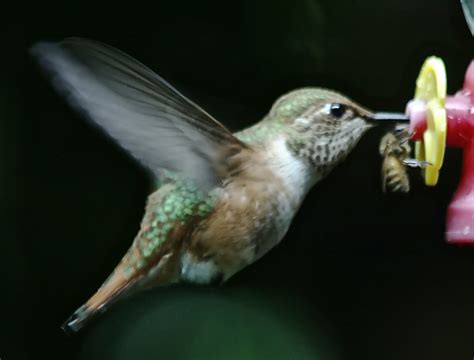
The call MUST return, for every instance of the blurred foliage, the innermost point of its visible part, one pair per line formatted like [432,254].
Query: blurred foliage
[207,324]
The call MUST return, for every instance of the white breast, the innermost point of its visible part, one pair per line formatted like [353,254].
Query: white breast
[295,177]
[293,172]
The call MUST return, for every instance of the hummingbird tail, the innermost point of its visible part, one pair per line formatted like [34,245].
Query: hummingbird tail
[113,289]
[124,281]
[79,319]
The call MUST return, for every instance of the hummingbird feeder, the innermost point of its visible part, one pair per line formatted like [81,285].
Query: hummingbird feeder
[437,121]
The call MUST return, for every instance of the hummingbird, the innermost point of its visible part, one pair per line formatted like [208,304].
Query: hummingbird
[222,199]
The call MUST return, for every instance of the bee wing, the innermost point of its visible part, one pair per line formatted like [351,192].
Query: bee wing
[148,117]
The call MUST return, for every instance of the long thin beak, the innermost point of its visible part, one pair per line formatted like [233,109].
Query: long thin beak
[387,117]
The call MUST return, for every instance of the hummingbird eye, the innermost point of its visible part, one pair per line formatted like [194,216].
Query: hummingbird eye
[337,110]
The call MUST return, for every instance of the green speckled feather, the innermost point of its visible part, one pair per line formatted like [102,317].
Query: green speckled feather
[177,205]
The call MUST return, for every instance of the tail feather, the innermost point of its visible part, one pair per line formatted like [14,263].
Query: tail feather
[112,290]
[79,319]
[126,279]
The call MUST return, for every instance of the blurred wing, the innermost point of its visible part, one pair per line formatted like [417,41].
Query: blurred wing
[148,117]
[468,9]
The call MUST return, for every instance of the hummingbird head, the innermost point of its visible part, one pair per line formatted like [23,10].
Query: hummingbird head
[323,126]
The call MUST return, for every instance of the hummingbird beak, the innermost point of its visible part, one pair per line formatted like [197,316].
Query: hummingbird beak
[387,117]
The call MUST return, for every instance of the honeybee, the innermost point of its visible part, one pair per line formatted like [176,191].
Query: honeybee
[394,171]
[395,150]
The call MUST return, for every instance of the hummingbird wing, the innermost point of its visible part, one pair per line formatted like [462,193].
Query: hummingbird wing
[148,117]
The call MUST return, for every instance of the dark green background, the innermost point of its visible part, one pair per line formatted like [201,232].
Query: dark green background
[360,275]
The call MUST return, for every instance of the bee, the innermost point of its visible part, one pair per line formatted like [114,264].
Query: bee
[394,170]
[395,149]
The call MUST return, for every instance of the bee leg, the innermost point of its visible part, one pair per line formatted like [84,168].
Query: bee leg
[415,163]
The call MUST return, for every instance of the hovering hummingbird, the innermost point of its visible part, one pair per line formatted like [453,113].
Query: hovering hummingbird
[223,200]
